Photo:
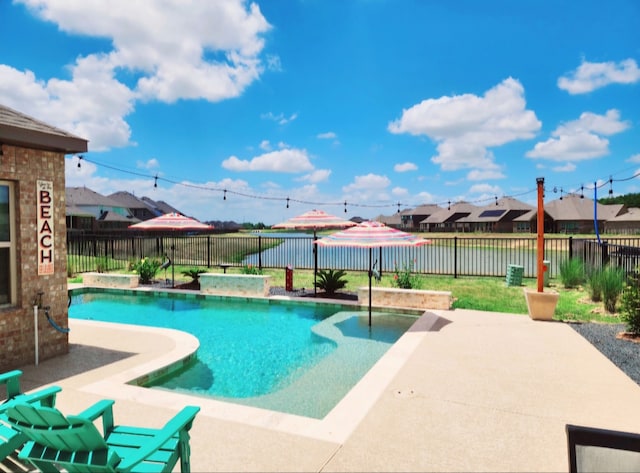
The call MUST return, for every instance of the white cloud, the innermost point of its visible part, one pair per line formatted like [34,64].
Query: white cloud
[399,191]
[634,159]
[206,50]
[590,76]
[405,167]
[580,139]
[279,118]
[319,175]
[284,160]
[569,167]
[265,145]
[150,164]
[330,135]
[485,189]
[368,182]
[465,126]
[478,175]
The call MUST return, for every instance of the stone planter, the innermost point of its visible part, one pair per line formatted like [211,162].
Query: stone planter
[248,285]
[111,280]
[541,305]
[409,298]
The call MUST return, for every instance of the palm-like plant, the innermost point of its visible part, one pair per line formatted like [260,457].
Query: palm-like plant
[330,281]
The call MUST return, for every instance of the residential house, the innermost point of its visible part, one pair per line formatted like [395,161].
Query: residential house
[497,217]
[138,207]
[410,218]
[106,213]
[626,222]
[575,214]
[33,251]
[448,220]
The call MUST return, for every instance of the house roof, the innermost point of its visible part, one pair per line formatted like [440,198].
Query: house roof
[426,209]
[453,213]
[573,207]
[19,129]
[110,216]
[82,196]
[497,211]
[631,215]
[160,207]
[127,199]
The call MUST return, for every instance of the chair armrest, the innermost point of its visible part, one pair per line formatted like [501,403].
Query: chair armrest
[182,421]
[104,409]
[46,396]
[12,381]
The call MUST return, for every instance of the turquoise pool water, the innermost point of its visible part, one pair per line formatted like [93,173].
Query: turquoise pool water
[299,358]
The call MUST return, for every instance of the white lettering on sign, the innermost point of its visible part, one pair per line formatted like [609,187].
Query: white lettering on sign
[45,227]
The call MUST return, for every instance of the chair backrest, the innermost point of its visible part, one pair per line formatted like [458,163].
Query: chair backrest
[602,450]
[48,427]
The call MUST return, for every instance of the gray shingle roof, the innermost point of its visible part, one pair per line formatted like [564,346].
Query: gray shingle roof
[19,129]
[79,196]
[572,207]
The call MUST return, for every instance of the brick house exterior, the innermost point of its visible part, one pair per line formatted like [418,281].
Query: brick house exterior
[32,236]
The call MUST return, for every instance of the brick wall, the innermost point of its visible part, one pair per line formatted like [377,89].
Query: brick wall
[24,167]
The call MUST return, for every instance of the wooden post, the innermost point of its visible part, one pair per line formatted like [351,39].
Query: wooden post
[541,268]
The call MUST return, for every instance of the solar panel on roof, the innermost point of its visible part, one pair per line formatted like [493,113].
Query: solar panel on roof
[492,213]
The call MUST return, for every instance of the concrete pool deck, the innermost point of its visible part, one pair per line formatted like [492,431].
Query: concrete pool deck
[463,391]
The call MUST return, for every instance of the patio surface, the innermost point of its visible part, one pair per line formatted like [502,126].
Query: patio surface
[462,391]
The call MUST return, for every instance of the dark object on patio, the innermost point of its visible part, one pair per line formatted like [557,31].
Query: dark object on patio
[602,450]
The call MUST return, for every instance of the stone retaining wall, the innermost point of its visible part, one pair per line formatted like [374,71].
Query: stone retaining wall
[249,285]
[408,298]
[114,280]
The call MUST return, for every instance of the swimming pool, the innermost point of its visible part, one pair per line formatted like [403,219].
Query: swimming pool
[294,357]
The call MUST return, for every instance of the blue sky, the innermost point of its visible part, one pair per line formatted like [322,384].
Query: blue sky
[370,102]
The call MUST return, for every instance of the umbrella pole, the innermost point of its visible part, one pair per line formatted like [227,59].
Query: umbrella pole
[370,251]
[315,262]
[173,265]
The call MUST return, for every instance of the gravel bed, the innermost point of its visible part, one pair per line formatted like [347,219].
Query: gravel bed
[624,354]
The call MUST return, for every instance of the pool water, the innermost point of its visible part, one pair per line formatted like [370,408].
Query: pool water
[299,358]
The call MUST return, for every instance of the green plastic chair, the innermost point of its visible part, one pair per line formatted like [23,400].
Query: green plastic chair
[10,438]
[74,443]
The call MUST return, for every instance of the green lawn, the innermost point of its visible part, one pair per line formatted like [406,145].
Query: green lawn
[477,293]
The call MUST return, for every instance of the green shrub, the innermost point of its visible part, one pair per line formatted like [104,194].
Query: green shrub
[404,278]
[572,272]
[330,281]
[102,264]
[594,284]
[250,269]
[630,303]
[147,269]
[612,285]
[194,273]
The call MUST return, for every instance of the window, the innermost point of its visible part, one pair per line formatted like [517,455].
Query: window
[7,245]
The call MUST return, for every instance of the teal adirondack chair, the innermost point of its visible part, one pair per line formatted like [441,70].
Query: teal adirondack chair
[10,438]
[75,444]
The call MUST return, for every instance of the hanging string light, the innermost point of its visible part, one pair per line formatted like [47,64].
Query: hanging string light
[155,182]
[287,202]
[79,159]
[610,186]
[224,197]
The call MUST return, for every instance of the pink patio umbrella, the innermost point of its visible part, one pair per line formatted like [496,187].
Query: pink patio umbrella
[371,235]
[171,222]
[314,220]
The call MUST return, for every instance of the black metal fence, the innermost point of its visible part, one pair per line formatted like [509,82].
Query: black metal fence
[456,256]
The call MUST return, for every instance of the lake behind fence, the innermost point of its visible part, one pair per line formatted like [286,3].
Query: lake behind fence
[456,256]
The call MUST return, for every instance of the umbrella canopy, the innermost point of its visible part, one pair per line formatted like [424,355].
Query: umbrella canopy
[314,220]
[371,235]
[171,222]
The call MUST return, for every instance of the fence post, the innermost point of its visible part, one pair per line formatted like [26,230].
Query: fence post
[208,251]
[455,257]
[260,252]
[570,247]
[605,253]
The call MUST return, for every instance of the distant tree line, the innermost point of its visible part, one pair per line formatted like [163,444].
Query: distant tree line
[630,200]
